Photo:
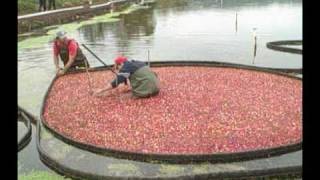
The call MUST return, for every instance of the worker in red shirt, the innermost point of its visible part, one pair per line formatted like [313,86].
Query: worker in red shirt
[69,52]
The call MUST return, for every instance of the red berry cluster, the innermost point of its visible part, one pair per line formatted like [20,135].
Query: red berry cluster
[199,110]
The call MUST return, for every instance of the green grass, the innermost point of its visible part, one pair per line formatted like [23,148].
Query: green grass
[46,134]
[201,169]
[171,169]
[122,168]
[61,151]
[41,175]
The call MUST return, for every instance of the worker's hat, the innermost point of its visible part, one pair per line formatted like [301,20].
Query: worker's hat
[61,34]
[120,59]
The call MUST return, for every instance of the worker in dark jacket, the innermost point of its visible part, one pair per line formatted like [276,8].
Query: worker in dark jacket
[52,3]
[42,5]
[143,81]
[69,52]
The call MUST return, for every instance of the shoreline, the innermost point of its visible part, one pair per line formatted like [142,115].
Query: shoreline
[33,22]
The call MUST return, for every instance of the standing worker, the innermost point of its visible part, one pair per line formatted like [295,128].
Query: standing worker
[69,52]
[42,5]
[144,82]
[52,3]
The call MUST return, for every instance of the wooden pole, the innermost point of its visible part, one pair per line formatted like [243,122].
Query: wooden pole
[255,45]
[148,58]
[236,22]
[89,79]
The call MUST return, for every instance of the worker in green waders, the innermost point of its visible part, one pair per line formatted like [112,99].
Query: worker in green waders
[69,52]
[144,82]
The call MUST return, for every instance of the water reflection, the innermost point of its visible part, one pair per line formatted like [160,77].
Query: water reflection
[93,33]
[180,5]
[201,30]
[131,27]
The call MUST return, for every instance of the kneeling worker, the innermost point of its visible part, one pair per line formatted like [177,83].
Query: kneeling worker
[143,81]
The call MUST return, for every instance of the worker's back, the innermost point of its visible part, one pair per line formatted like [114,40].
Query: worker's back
[144,81]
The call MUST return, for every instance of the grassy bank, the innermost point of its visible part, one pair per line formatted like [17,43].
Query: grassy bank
[41,175]
[31,6]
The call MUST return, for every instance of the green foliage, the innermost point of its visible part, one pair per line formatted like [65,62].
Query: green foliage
[61,151]
[171,169]
[27,6]
[124,169]
[46,134]
[201,169]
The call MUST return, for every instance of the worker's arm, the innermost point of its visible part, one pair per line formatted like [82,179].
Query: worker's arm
[123,74]
[121,78]
[67,66]
[100,91]
[73,46]
[56,62]
[70,62]
[55,57]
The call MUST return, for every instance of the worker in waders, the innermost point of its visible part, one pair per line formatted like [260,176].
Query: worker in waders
[52,3]
[143,81]
[69,52]
[42,5]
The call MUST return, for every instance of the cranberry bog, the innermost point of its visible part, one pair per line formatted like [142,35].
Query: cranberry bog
[204,112]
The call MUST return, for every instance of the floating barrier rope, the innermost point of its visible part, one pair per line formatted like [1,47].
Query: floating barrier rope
[26,138]
[279,46]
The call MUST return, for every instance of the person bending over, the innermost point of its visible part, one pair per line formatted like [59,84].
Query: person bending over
[69,52]
[143,81]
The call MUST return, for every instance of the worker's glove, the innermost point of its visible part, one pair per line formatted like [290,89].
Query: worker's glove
[61,72]
[58,69]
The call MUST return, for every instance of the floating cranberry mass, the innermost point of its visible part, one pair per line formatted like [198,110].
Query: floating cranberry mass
[199,110]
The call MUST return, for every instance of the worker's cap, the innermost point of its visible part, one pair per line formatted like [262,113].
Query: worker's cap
[61,34]
[120,59]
